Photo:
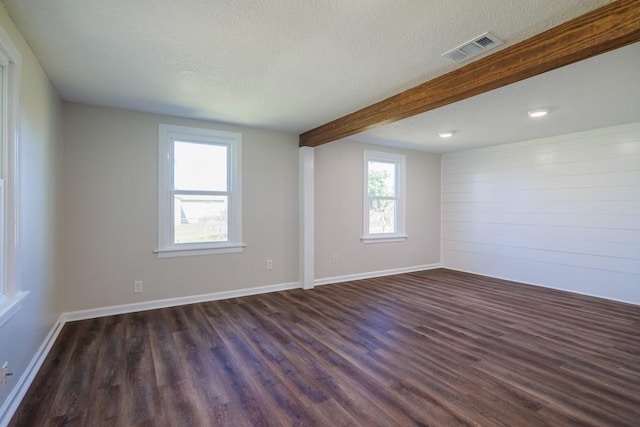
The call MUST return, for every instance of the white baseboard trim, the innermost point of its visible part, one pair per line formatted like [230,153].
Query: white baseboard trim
[372,274]
[172,302]
[12,402]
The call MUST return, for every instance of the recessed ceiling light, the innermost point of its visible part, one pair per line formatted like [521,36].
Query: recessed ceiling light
[447,134]
[534,114]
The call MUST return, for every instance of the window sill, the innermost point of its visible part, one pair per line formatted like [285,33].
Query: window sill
[10,306]
[384,239]
[182,252]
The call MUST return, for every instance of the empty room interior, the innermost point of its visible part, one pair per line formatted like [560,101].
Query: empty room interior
[320,213]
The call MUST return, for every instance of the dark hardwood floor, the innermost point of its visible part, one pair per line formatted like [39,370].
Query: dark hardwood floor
[437,348]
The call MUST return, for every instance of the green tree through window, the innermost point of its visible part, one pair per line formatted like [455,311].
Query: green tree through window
[381,210]
[383,218]
[382,204]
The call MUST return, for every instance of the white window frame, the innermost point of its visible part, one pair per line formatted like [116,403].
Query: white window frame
[11,293]
[399,160]
[167,135]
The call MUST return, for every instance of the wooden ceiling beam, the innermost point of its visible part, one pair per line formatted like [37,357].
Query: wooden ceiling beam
[609,27]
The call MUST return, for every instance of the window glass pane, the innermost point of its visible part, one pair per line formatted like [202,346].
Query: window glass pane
[3,148]
[3,93]
[200,219]
[382,179]
[382,216]
[201,167]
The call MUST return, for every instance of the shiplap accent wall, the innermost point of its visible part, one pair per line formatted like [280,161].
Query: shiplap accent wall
[561,212]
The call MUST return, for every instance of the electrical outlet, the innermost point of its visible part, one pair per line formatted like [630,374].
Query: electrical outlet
[334,258]
[269,264]
[137,287]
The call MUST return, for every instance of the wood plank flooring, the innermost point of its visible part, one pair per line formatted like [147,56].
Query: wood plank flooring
[436,348]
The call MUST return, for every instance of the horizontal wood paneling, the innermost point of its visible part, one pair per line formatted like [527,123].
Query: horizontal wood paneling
[578,244]
[492,166]
[553,212]
[559,207]
[596,166]
[560,256]
[624,221]
[583,148]
[603,193]
[622,179]
[579,234]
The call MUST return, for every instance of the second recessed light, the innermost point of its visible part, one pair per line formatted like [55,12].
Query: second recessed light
[446,134]
[535,114]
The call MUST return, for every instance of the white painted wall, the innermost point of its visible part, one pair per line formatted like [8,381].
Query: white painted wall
[561,212]
[39,217]
[338,213]
[110,200]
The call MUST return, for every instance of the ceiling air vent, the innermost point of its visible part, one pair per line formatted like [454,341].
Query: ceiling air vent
[476,46]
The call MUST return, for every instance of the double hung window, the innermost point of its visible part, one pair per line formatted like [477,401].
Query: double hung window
[10,291]
[200,195]
[384,197]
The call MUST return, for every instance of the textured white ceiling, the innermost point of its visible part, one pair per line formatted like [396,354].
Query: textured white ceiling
[282,64]
[598,92]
